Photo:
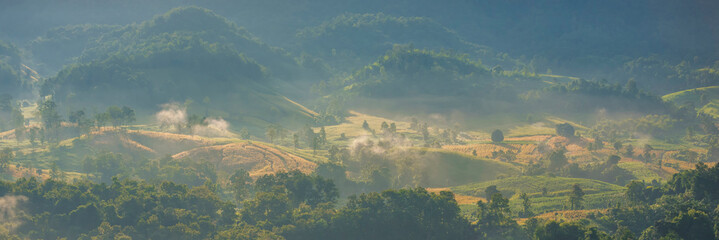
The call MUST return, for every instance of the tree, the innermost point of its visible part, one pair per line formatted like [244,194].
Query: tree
[18,121]
[565,130]
[635,192]
[526,205]
[296,140]
[497,136]
[33,135]
[576,197]
[323,136]
[6,155]
[244,134]
[598,143]
[631,88]
[384,127]
[101,119]
[271,133]
[557,159]
[108,165]
[629,151]
[56,173]
[50,118]
[241,184]
[495,220]
[617,145]
[115,114]
[490,191]
[315,144]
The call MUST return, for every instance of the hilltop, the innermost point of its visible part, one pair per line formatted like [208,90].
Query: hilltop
[169,59]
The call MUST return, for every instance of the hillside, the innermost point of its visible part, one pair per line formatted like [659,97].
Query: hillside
[407,72]
[168,62]
[62,45]
[598,194]
[705,99]
[11,78]
[444,168]
[202,24]
[350,40]
[257,158]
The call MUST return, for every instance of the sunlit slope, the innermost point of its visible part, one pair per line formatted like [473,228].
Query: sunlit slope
[227,154]
[255,157]
[705,99]
[598,194]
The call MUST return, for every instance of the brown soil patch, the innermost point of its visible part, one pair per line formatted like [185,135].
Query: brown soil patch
[257,159]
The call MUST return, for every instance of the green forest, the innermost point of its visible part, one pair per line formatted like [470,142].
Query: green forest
[527,120]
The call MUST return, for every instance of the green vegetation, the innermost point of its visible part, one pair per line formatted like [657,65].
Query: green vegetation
[11,78]
[598,194]
[327,120]
[703,99]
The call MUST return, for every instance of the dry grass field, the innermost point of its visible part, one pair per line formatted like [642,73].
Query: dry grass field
[258,159]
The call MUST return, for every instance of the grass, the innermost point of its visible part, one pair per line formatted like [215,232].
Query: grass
[534,129]
[447,168]
[598,194]
[641,171]
[694,96]
[352,127]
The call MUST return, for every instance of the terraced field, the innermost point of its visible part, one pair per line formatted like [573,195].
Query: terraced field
[598,194]
[258,159]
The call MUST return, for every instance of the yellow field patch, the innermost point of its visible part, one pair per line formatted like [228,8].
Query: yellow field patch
[353,126]
[461,199]
[565,215]
[258,159]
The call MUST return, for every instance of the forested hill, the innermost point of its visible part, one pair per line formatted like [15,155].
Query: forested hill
[188,54]
[198,22]
[11,78]
[349,40]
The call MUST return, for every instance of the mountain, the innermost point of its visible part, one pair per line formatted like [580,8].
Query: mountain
[12,71]
[349,40]
[62,45]
[188,54]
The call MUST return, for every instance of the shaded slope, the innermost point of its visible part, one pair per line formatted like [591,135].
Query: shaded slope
[444,168]
[164,61]
[349,40]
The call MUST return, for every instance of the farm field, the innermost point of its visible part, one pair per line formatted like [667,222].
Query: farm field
[599,194]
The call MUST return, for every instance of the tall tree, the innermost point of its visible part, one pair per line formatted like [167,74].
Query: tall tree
[6,155]
[576,197]
[565,130]
[241,184]
[497,136]
[50,118]
[526,205]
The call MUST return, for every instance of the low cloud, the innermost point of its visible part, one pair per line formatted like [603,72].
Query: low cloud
[212,128]
[10,211]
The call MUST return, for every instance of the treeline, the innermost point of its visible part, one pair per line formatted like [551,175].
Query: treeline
[589,96]
[664,75]
[293,205]
[11,77]
[282,206]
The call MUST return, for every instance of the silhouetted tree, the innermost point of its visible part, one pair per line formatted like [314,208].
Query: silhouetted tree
[497,136]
